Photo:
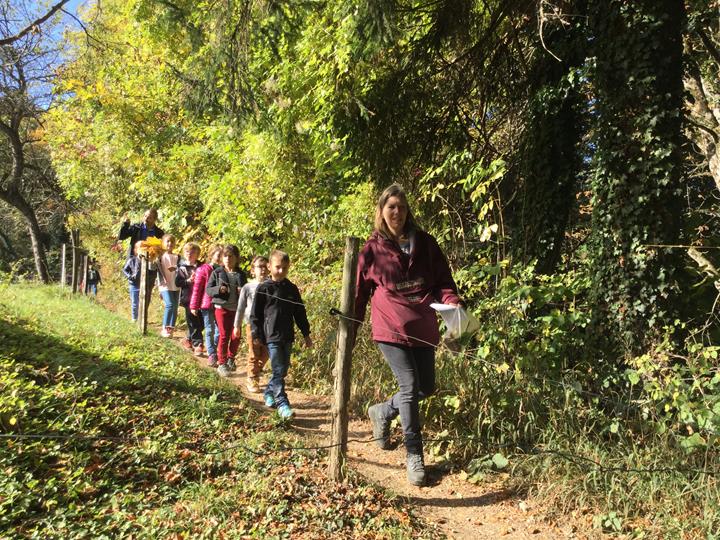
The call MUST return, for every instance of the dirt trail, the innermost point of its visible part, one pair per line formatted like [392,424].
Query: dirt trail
[459,508]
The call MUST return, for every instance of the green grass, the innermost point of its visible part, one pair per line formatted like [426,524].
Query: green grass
[68,367]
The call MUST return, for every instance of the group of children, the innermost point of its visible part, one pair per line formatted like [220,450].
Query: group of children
[222,305]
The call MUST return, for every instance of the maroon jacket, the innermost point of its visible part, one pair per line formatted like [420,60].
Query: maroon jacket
[401,288]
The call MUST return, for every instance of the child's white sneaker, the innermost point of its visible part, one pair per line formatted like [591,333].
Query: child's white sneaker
[165,332]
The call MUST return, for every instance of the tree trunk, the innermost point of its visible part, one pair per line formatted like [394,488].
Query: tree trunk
[16,200]
[38,249]
[638,164]
[704,121]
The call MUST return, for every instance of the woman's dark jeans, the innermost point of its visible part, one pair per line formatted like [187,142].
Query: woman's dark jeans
[414,370]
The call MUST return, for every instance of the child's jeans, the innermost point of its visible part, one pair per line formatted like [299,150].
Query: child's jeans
[170,298]
[211,331]
[227,346]
[194,327]
[280,362]
[257,355]
[134,300]
[92,288]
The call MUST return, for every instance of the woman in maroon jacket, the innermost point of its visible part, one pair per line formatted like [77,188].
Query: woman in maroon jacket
[402,270]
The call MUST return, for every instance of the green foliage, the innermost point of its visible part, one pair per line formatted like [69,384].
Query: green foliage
[682,393]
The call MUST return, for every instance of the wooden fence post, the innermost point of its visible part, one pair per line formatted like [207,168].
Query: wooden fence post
[343,362]
[63,266]
[143,296]
[85,268]
[75,237]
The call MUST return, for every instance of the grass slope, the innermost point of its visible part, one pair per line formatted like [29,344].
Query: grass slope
[69,367]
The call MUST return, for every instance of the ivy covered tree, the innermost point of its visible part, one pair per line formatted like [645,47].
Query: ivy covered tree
[637,168]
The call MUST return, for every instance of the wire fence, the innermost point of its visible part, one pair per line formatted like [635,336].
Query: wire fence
[534,451]
[470,354]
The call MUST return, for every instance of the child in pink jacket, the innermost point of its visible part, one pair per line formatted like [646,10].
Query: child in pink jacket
[201,303]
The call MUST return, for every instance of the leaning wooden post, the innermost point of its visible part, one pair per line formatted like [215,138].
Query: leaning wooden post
[143,297]
[75,237]
[343,362]
[63,266]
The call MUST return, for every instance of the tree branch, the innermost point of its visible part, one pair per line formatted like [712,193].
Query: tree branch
[34,24]
[709,45]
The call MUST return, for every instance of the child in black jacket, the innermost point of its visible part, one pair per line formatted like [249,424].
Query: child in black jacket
[276,309]
[184,278]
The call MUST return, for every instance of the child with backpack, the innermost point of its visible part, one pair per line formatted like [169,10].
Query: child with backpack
[170,292]
[201,304]
[224,287]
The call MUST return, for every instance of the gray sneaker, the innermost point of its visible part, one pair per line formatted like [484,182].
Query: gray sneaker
[415,469]
[380,426]
[231,364]
[223,370]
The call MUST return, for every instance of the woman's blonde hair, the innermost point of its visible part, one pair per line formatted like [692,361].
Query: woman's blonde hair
[394,190]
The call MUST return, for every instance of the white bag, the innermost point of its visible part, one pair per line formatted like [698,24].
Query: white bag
[460,324]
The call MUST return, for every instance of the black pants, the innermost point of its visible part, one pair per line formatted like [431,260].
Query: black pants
[195,326]
[414,370]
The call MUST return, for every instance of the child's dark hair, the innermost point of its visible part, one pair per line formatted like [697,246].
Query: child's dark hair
[277,254]
[233,250]
[259,258]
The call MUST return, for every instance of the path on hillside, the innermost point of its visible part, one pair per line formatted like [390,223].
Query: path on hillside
[461,509]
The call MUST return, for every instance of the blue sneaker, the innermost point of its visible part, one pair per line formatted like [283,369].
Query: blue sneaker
[269,400]
[285,412]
